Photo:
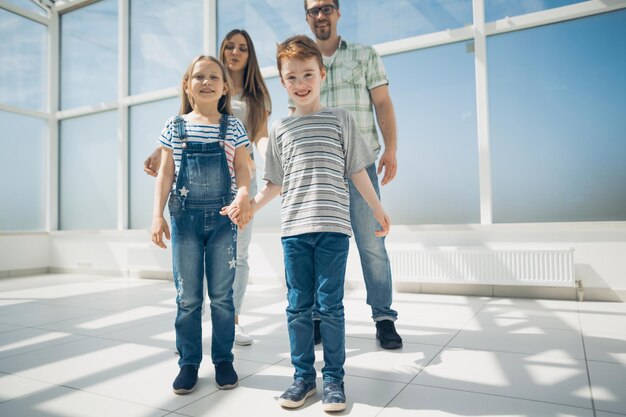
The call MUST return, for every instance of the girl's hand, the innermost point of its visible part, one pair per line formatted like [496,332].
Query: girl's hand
[384,221]
[233,212]
[158,229]
[245,212]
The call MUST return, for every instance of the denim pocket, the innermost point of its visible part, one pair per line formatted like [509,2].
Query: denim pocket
[201,169]
[174,206]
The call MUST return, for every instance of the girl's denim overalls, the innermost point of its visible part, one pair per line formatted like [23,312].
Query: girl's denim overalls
[203,241]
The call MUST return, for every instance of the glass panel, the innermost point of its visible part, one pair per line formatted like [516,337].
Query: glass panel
[499,9]
[558,131]
[146,122]
[23,75]
[434,99]
[88,157]
[271,21]
[29,5]
[89,55]
[400,19]
[163,41]
[23,165]
[267,22]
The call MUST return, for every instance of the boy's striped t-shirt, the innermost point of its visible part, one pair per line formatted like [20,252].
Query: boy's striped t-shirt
[311,157]
[236,137]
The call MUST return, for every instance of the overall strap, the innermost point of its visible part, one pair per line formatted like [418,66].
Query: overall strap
[223,127]
[179,124]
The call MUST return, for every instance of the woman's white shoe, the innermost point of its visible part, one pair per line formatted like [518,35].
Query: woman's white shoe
[241,337]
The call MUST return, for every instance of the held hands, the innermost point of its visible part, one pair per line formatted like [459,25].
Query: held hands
[158,229]
[239,211]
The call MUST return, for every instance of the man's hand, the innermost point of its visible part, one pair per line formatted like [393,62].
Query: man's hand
[389,162]
[152,163]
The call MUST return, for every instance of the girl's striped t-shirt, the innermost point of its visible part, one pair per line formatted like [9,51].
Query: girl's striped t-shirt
[236,137]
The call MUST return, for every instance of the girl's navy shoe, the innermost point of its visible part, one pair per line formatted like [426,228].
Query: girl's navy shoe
[186,380]
[225,375]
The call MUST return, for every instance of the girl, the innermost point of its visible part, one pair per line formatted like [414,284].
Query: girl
[251,103]
[203,163]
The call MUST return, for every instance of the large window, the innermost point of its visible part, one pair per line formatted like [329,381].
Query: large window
[23,164]
[163,41]
[434,98]
[558,125]
[89,55]
[88,166]
[146,122]
[555,90]
[23,76]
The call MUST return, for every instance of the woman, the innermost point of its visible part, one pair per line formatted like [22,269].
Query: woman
[251,104]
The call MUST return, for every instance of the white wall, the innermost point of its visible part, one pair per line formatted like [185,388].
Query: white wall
[600,251]
[24,253]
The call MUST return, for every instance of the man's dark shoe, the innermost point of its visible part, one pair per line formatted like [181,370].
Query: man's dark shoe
[297,393]
[333,397]
[317,335]
[225,375]
[387,335]
[186,380]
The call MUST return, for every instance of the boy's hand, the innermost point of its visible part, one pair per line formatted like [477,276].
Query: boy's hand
[158,229]
[384,221]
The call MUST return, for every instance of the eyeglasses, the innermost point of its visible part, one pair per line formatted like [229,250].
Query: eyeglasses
[326,10]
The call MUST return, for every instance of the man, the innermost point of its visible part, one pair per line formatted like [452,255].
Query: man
[356,81]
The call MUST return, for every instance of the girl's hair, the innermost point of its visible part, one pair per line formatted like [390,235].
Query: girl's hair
[299,47]
[223,105]
[255,91]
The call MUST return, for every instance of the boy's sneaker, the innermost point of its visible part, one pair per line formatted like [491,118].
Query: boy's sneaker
[225,375]
[186,380]
[387,335]
[241,337]
[297,393]
[317,335]
[333,397]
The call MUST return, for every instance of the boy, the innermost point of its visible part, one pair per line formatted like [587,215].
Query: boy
[310,156]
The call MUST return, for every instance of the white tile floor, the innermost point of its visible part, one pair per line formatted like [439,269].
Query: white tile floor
[86,346]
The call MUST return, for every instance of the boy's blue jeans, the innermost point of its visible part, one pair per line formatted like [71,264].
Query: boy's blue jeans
[203,240]
[315,266]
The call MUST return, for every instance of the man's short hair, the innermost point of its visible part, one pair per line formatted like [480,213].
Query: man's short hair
[306,2]
[299,47]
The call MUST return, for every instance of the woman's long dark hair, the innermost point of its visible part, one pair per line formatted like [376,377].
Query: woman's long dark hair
[254,89]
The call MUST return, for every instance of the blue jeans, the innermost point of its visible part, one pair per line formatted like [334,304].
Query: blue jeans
[203,240]
[243,268]
[374,260]
[315,267]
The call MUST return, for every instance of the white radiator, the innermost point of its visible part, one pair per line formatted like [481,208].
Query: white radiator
[484,266]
